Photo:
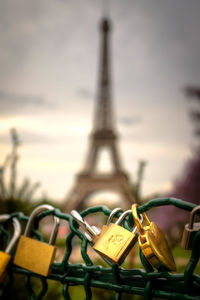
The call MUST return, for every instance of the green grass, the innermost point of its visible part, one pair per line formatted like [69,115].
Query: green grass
[178,251]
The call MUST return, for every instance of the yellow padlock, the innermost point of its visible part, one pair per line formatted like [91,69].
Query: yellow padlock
[153,243]
[115,242]
[5,256]
[34,255]
[110,218]
[93,233]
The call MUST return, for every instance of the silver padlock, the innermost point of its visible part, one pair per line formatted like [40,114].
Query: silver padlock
[190,229]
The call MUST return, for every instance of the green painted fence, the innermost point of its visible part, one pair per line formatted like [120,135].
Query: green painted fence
[146,281]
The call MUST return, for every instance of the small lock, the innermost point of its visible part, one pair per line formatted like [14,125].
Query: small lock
[115,242]
[190,229]
[34,255]
[92,233]
[5,256]
[153,244]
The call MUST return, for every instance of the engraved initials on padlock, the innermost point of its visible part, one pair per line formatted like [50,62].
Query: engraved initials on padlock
[115,242]
[35,255]
[5,256]
[190,229]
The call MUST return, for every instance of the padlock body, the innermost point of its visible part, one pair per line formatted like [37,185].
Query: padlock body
[4,260]
[115,243]
[188,235]
[155,247]
[34,255]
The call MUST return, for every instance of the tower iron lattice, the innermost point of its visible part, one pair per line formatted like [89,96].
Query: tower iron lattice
[103,136]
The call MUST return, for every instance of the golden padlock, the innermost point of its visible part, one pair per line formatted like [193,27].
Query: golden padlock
[5,256]
[34,255]
[93,233]
[190,229]
[110,218]
[153,243]
[115,242]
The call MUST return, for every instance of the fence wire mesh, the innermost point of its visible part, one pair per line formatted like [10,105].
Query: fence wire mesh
[145,281]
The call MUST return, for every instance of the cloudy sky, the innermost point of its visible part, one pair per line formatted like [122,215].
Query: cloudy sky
[49,57]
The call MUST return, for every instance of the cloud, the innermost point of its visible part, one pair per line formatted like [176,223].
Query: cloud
[27,137]
[21,99]
[12,103]
[85,93]
[52,48]
[130,121]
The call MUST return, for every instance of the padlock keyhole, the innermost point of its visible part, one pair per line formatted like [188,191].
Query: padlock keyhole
[143,239]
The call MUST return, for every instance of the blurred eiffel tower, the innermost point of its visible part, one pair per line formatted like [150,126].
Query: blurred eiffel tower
[103,136]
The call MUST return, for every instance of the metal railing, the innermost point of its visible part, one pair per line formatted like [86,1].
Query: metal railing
[145,282]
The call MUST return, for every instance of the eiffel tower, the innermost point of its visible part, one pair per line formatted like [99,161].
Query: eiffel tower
[103,136]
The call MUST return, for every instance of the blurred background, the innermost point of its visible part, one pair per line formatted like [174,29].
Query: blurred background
[49,58]
[49,78]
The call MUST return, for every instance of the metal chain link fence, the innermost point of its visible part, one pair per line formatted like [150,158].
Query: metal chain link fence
[145,282]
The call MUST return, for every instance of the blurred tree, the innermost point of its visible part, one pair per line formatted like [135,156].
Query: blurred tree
[19,197]
[15,197]
[193,92]
[187,187]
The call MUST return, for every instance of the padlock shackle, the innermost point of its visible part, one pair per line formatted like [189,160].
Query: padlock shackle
[54,232]
[112,214]
[137,220]
[192,216]
[16,233]
[96,229]
[38,210]
[122,217]
[4,217]
[83,223]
